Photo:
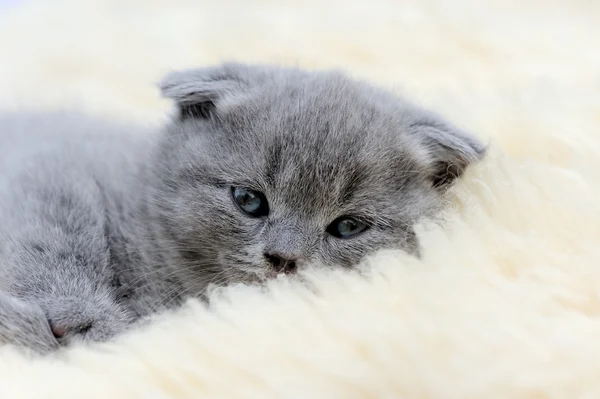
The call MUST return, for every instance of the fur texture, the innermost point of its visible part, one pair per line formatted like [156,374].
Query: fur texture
[503,302]
[103,225]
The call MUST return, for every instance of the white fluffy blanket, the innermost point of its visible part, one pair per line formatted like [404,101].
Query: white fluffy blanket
[506,300]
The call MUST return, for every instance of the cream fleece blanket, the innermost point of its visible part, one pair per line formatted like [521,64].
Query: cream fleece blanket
[506,300]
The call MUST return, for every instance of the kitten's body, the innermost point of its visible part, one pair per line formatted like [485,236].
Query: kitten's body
[102,225]
[71,201]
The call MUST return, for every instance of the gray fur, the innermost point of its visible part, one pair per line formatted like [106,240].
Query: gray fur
[105,224]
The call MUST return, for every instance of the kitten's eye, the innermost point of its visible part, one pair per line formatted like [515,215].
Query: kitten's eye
[346,227]
[252,203]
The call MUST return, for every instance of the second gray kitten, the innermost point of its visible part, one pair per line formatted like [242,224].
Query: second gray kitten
[264,170]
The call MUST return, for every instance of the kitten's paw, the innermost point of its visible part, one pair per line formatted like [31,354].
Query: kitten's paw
[25,325]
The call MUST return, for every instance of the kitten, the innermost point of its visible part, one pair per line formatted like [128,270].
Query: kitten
[263,170]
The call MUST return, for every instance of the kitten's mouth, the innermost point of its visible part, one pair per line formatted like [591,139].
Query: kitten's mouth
[251,278]
[252,273]
[273,274]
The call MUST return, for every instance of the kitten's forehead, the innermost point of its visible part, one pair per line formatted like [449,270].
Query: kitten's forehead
[319,143]
[323,116]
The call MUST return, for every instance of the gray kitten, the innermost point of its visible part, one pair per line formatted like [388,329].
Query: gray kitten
[263,170]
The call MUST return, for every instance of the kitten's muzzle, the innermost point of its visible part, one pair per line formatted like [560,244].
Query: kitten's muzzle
[281,263]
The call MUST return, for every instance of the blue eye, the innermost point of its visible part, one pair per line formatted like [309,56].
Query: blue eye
[252,203]
[346,227]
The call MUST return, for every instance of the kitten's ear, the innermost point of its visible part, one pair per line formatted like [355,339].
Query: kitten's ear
[449,150]
[197,92]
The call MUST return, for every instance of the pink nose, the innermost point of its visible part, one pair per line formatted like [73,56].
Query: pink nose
[58,331]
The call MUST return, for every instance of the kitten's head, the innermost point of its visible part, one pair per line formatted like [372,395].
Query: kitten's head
[268,169]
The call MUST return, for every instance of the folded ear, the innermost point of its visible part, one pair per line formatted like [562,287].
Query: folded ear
[197,92]
[450,150]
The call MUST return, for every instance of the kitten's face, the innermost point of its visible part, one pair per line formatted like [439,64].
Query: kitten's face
[268,170]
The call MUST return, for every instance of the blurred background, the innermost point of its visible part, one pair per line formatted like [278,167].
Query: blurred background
[501,68]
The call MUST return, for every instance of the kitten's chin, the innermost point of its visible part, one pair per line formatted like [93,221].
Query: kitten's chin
[251,277]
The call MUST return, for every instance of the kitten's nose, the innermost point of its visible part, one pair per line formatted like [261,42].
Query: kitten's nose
[282,263]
